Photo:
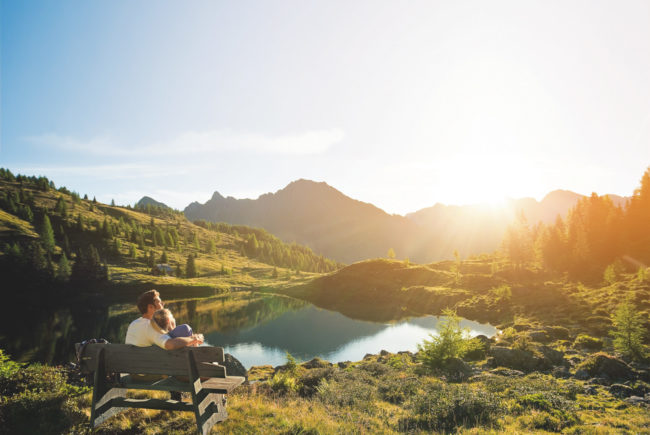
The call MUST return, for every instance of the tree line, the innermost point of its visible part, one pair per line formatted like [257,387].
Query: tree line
[596,238]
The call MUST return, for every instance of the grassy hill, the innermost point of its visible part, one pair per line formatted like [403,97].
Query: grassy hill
[127,244]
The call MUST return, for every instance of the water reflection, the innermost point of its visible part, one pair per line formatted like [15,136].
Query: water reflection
[256,328]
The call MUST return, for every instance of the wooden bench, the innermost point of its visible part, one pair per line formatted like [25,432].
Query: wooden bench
[196,370]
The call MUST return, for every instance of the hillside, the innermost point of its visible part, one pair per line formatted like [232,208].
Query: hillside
[89,244]
[339,227]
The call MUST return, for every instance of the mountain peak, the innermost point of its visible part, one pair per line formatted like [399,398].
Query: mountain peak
[147,200]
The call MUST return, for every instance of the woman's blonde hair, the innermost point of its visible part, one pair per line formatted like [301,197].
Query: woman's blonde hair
[162,317]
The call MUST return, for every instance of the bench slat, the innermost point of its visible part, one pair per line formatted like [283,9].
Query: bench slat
[161,404]
[125,358]
[223,385]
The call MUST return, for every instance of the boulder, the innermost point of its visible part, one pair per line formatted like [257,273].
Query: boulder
[456,369]
[515,358]
[316,363]
[384,353]
[234,367]
[561,372]
[581,375]
[552,356]
[539,336]
[502,371]
[603,365]
[621,391]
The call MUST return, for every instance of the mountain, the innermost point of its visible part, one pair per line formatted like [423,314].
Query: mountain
[147,200]
[348,230]
[319,216]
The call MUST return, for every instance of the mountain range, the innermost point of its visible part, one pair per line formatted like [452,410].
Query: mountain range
[348,230]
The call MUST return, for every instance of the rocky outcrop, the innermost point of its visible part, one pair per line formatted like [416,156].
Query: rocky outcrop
[601,365]
[234,367]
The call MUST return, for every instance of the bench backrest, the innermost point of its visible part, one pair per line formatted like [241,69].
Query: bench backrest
[126,358]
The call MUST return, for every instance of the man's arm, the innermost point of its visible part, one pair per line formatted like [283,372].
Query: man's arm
[180,342]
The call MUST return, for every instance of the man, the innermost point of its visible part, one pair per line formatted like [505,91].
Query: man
[142,333]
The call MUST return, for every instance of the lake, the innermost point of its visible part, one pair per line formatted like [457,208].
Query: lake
[256,328]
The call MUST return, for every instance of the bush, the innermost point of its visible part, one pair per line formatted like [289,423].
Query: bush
[346,389]
[36,391]
[444,407]
[283,383]
[452,341]
[628,331]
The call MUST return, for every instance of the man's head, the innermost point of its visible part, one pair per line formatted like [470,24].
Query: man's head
[148,302]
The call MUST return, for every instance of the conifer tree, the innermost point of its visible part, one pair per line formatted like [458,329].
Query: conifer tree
[163,258]
[47,234]
[63,270]
[628,331]
[190,270]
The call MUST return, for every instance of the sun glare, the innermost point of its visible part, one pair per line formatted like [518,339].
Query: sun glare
[486,179]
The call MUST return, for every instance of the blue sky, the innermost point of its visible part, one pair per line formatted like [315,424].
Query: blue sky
[401,104]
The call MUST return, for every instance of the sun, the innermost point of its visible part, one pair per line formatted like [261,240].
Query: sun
[486,179]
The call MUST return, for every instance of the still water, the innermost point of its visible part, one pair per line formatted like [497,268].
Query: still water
[256,328]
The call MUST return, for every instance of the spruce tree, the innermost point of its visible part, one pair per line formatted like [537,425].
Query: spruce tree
[47,234]
[190,269]
[628,331]
[63,270]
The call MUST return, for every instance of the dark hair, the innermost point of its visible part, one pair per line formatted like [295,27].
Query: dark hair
[146,299]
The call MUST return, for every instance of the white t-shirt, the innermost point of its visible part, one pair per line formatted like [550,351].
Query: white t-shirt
[142,333]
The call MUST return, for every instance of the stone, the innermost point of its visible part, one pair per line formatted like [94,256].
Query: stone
[581,375]
[552,356]
[502,371]
[234,367]
[456,369]
[603,365]
[621,391]
[316,363]
[384,353]
[343,364]
[561,372]
[539,336]
[636,400]
[515,358]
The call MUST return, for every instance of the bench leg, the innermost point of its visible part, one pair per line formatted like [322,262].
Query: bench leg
[209,408]
[102,395]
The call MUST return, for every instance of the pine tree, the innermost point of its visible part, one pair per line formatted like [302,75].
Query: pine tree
[391,253]
[63,270]
[163,258]
[190,270]
[47,234]
[628,331]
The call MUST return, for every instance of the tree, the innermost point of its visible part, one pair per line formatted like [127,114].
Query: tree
[47,234]
[628,330]
[163,258]
[190,268]
[63,270]
[391,253]
[452,341]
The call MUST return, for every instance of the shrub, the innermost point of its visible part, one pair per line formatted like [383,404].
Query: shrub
[397,390]
[348,389]
[444,407]
[283,383]
[452,341]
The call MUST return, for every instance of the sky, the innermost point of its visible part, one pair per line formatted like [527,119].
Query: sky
[400,104]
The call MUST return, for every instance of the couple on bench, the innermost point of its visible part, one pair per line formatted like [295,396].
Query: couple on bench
[158,326]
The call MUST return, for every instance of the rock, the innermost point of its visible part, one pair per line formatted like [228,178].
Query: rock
[316,363]
[384,353]
[581,375]
[521,327]
[557,332]
[343,364]
[368,356]
[600,381]
[490,362]
[636,400]
[603,365]
[539,336]
[590,390]
[561,372]
[502,371]
[621,391]
[234,367]
[515,358]
[456,369]
[552,356]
